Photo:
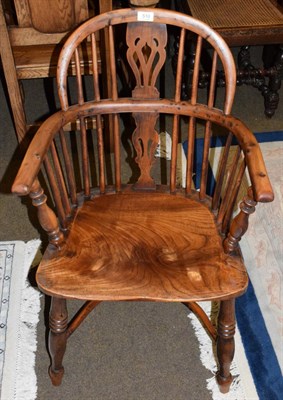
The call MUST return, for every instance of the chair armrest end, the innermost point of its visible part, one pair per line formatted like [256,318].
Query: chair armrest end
[20,189]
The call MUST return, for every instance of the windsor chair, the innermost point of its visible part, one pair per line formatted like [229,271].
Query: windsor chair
[141,235]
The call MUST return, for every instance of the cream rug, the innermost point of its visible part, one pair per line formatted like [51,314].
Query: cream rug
[19,308]
[262,248]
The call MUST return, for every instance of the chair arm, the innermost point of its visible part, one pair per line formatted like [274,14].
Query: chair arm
[36,152]
[31,164]
[261,186]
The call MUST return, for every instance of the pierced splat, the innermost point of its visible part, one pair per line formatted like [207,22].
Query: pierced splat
[145,140]
[146,56]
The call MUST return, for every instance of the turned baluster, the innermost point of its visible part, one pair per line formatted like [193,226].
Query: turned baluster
[58,322]
[225,343]
[46,216]
[240,223]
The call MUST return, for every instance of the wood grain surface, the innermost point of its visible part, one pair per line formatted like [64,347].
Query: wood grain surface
[143,246]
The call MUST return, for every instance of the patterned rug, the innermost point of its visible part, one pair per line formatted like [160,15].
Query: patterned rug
[19,308]
[260,310]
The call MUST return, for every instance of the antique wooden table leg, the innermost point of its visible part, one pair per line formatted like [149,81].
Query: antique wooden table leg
[271,96]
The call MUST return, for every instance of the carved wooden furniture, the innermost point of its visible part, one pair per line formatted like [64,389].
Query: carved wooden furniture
[245,23]
[150,239]
[30,44]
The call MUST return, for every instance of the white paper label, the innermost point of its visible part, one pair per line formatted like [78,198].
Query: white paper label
[145,16]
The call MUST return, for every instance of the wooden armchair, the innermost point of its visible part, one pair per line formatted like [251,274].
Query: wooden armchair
[142,236]
[31,39]
[245,23]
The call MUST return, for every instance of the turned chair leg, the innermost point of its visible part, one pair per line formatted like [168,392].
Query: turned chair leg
[271,95]
[225,343]
[58,320]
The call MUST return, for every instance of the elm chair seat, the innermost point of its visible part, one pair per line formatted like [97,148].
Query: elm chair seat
[159,248]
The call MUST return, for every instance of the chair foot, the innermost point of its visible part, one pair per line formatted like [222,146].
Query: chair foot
[271,101]
[224,383]
[56,376]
